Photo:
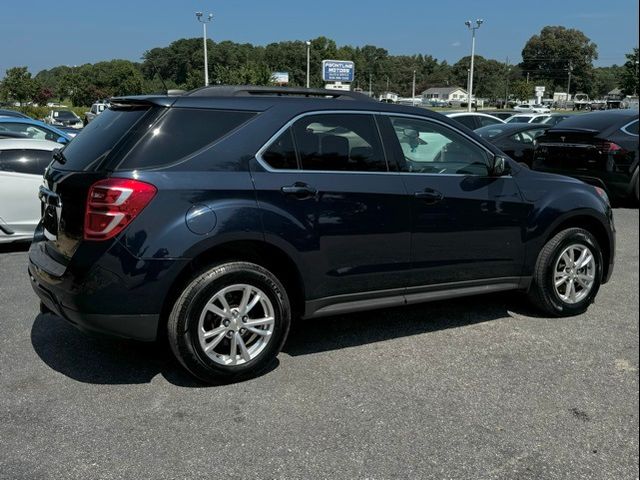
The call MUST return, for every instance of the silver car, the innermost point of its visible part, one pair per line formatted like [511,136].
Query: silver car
[22,164]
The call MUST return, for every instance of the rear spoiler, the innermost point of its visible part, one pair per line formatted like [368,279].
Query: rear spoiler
[141,101]
[572,130]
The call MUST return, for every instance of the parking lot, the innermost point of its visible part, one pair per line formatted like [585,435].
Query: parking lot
[475,388]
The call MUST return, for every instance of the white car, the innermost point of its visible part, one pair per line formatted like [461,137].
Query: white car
[22,165]
[530,108]
[64,118]
[474,120]
[528,118]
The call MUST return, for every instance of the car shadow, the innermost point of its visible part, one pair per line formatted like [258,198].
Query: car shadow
[103,360]
[343,331]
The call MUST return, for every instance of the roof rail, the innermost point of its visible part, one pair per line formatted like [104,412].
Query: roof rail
[251,90]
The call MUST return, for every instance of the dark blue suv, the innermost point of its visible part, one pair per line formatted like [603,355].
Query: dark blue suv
[217,216]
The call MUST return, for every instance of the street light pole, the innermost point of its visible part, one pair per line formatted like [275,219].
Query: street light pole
[473,29]
[569,68]
[204,22]
[308,62]
[413,90]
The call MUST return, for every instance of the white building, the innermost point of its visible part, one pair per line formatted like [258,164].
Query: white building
[445,94]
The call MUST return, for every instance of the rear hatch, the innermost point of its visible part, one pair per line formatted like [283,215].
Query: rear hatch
[69,177]
[579,152]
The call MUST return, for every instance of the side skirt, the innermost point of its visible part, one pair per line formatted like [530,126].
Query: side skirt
[358,302]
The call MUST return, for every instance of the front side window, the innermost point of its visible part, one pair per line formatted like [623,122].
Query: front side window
[429,147]
[339,142]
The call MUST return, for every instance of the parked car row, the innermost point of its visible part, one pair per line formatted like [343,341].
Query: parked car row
[26,147]
[600,148]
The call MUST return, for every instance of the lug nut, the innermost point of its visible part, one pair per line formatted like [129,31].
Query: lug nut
[229,334]
[226,323]
[244,319]
[243,331]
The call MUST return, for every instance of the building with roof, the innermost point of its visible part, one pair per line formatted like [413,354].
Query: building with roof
[447,94]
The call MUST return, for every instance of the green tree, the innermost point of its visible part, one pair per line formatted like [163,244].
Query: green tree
[629,75]
[521,90]
[18,85]
[550,54]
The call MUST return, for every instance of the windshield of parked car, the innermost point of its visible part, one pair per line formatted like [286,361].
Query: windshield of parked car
[519,120]
[491,131]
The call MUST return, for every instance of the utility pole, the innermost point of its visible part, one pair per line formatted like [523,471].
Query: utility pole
[506,84]
[413,90]
[204,38]
[308,62]
[527,78]
[473,52]
[569,68]
[370,91]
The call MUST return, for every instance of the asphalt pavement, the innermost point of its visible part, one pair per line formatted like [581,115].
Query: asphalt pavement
[479,388]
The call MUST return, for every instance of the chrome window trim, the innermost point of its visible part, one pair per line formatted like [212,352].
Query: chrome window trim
[624,128]
[287,125]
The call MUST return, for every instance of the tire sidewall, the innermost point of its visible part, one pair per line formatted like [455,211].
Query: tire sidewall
[219,278]
[580,238]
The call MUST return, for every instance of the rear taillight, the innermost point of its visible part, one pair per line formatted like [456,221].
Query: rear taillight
[112,204]
[610,147]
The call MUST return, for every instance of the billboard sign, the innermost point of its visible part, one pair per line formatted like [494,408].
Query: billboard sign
[338,71]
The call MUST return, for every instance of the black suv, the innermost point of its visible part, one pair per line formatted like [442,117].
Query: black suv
[217,216]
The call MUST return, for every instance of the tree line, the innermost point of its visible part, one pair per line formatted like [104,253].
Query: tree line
[548,59]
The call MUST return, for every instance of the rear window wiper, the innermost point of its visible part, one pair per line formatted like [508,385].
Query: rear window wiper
[59,157]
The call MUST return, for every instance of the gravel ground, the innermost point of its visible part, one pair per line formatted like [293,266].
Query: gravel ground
[480,388]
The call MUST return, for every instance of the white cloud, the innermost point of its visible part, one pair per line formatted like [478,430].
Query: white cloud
[456,44]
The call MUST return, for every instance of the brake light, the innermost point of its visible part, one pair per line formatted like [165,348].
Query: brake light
[112,204]
[610,147]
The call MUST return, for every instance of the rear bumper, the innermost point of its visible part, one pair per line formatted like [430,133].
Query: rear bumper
[136,327]
[115,294]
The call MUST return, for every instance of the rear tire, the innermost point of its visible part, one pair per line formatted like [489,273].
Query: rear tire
[229,322]
[565,282]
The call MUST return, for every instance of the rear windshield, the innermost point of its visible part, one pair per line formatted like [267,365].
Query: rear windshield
[64,115]
[98,138]
[176,135]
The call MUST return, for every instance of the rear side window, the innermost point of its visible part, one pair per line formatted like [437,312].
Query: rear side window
[179,133]
[631,129]
[32,162]
[486,121]
[98,138]
[339,142]
[281,153]
[467,120]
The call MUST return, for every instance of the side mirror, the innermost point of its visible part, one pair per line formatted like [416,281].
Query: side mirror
[62,140]
[500,166]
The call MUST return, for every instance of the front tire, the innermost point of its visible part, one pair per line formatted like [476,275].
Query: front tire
[230,322]
[568,273]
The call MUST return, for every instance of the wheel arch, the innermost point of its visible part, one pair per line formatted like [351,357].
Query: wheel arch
[259,252]
[593,225]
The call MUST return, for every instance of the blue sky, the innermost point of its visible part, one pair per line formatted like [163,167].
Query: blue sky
[44,33]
